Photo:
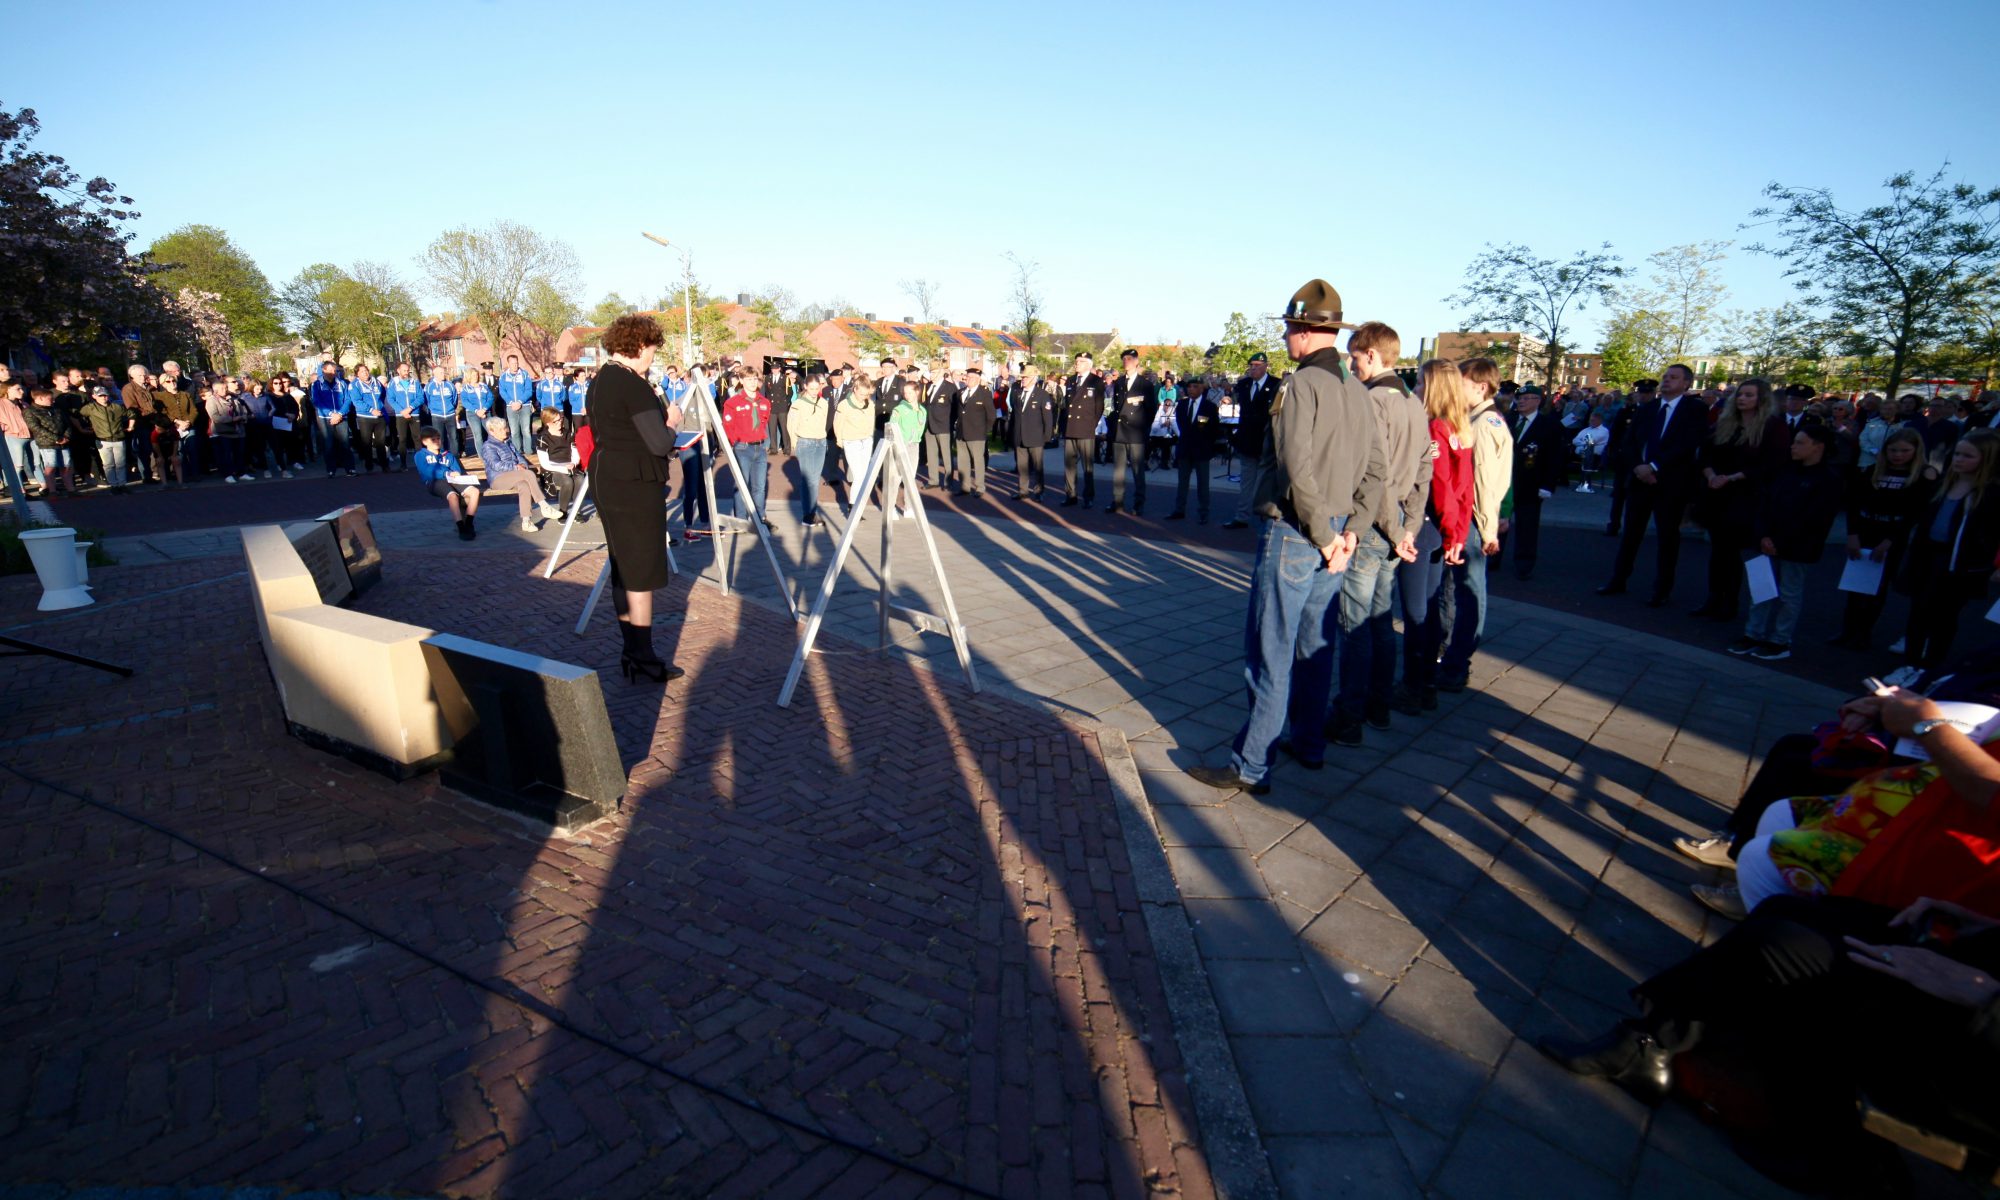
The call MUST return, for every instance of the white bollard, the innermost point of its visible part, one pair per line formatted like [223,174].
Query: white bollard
[83,565]
[53,551]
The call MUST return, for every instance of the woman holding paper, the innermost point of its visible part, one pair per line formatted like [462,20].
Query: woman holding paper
[634,442]
[1750,443]
[1953,548]
[1883,501]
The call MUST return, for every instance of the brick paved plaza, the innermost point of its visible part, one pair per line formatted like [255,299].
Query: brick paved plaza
[896,940]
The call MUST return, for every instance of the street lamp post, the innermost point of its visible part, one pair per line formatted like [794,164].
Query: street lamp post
[687,297]
[395,327]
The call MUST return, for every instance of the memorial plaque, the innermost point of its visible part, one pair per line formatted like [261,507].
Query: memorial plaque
[356,538]
[320,551]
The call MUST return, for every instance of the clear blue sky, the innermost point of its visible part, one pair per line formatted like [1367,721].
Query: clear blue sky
[839,148]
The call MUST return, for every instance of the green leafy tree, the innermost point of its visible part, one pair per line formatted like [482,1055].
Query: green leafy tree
[314,300]
[1623,359]
[1240,339]
[548,310]
[1512,287]
[1895,277]
[497,274]
[609,309]
[204,258]
[378,308]
[1682,300]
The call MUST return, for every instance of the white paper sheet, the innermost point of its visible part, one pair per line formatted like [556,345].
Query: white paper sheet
[281,424]
[461,480]
[1863,575]
[1981,719]
[1762,579]
[1993,614]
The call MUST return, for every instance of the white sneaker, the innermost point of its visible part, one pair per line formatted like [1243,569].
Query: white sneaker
[528,524]
[1903,677]
[267,474]
[229,479]
[1711,849]
[1896,647]
[551,512]
[298,466]
[286,474]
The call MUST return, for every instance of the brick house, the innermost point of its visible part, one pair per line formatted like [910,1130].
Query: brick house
[851,339]
[458,345]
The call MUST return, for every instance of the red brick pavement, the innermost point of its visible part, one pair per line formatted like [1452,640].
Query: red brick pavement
[897,914]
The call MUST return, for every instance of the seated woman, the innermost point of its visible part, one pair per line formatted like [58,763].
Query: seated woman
[506,470]
[555,450]
[1778,1028]
[440,473]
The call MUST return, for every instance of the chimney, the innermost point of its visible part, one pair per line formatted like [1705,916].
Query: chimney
[907,321]
[867,316]
[743,298]
[944,321]
[977,325]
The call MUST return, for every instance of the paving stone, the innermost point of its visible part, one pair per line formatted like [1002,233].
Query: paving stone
[1304,1085]
[1178,787]
[1403,893]
[1195,825]
[1312,1168]
[1215,871]
[1534,1170]
[1339,845]
[1601,1125]
[1351,993]
[1366,937]
[1262,828]
[1266,997]
[1418,1076]
[1477,1023]
[1302,879]
[1226,929]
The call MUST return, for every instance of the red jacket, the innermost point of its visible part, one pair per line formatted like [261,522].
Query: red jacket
[1451,483]
[746,419]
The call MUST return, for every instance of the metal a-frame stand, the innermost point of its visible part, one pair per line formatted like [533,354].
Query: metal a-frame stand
[738,526]
[891,463]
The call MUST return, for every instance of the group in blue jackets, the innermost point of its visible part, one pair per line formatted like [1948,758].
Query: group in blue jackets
[379,422]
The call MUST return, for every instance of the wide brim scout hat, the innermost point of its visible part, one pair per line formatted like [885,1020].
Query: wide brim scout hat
[1315,306]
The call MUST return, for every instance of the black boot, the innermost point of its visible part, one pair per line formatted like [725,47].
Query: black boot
[464,529]
[639,661]
[1628,1056]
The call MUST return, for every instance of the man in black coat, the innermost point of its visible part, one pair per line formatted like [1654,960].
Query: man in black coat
[1254,393]
[1134,403]
[975,421]
[1031,423]
[940,394]
[1082,409]
[1199,423]
[1541,448]
[1662,481]
[1621,454]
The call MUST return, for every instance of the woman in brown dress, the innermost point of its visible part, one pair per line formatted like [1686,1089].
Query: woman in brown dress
[634,442]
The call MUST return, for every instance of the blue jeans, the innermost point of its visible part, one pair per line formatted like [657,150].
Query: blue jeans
[1288,642]
[1461,612]
[521,424]
[1777,620]
[447,427]
[756,466]
[694,494]
[1367,629]
[21,452]
[811,453]
[334,449]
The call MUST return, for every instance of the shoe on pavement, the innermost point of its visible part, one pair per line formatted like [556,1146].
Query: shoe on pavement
[1343,733]
[551,512]
[1612,589]
[1710,850]
[1722,898]
[1226,779]
[1378,714]
[1903,677]
[1407,700]
[298,467]
[1236,524]
[1771,652]
[229,479]
[1310,764]
[287,474]
[1742,646]
[267,474]
[527,524]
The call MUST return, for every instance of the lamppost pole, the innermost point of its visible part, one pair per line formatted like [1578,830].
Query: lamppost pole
[687,297]
[395,327]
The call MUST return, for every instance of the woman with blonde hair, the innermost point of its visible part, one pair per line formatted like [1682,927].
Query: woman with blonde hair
[1462,594]
[1441,542]
[1952,551]
[1749,444]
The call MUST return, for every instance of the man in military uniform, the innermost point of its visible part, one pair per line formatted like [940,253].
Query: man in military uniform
[1082,409]
[1134,404]
[1321,468]
[1032,422]
[1253,416]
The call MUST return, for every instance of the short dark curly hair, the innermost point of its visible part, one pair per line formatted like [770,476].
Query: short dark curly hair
[630,334]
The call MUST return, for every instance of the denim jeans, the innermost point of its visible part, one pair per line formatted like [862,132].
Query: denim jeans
[21,452]
[333,448]
[112,455]
[755,464]
[521,424]
[856,454]
[446,425]
[1461,612]
[694,493]
[811,453]
[50,459]
[1288,643]
[1367,629]
[1777,620]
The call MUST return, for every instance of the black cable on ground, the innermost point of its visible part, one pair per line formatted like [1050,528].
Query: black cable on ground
[505,990]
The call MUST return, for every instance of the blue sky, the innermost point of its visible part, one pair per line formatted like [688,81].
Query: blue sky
[1165,163]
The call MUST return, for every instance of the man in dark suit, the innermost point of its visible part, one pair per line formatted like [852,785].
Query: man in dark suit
[1541,447]
[940,394]
[1198,422]
[975,421]
[1031,423]
[1621,452]
[1663,478]
[1134,404]
[1254,393]
[1082,408]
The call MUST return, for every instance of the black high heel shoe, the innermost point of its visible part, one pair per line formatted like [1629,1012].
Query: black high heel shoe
[652,669]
